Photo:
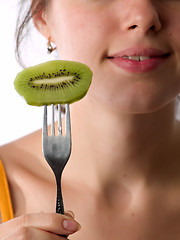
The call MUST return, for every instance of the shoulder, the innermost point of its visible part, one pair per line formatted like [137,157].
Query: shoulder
[21,160]
[17,154]
[6,151]
[10,154]
[15,149]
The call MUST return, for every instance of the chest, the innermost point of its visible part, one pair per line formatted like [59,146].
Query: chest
[155,219]
[148,226]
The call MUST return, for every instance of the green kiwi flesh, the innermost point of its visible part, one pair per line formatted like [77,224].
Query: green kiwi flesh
[54,82]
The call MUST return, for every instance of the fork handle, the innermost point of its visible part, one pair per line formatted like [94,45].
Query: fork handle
[60,205]
[59,201]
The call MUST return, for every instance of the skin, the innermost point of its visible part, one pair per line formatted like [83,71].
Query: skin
[122,179]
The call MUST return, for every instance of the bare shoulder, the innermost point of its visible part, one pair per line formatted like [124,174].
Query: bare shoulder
[25,166]
[15,153]
[8,155]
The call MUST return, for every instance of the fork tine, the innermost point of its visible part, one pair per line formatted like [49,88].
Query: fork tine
[59,120]
[52,123]
[45,130]
[68,123]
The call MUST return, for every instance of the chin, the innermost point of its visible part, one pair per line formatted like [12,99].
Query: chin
[134,96]
[144,107]
[122,104]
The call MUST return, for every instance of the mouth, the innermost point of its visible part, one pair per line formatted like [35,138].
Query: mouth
[139,60]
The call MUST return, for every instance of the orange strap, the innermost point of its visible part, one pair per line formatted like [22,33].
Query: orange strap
[5,199]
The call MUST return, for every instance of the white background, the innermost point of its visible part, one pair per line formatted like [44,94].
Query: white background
[16,117]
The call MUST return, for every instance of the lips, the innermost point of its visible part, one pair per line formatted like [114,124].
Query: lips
[139,60]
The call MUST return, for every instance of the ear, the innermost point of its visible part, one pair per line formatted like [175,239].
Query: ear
[41,24]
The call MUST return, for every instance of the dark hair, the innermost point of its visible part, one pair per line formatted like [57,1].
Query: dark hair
[27,9]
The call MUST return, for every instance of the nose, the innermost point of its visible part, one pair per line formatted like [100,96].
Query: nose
[142,16]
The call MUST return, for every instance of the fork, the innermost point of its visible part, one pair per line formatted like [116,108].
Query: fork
[57,149]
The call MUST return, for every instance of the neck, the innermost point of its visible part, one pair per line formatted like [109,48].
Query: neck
[112,146]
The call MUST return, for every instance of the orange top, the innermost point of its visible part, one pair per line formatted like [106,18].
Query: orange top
[6,212]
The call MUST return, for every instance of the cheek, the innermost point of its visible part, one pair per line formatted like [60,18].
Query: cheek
[81,37]
[173,32]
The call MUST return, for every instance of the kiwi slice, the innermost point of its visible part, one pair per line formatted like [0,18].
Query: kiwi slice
[54,82]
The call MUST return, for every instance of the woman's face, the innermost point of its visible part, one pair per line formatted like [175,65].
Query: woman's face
[132,47]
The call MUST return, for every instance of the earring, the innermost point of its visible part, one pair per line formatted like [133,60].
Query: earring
[50,48]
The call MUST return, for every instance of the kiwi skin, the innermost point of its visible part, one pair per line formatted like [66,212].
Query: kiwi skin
[54,82]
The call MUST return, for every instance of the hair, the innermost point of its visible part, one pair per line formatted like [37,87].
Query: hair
[27,10]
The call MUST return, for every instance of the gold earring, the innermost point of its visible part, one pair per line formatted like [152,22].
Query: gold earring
[50,48]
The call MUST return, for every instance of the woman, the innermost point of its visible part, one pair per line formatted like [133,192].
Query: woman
[122,180]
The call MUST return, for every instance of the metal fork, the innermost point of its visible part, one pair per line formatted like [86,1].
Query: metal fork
[57,149]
